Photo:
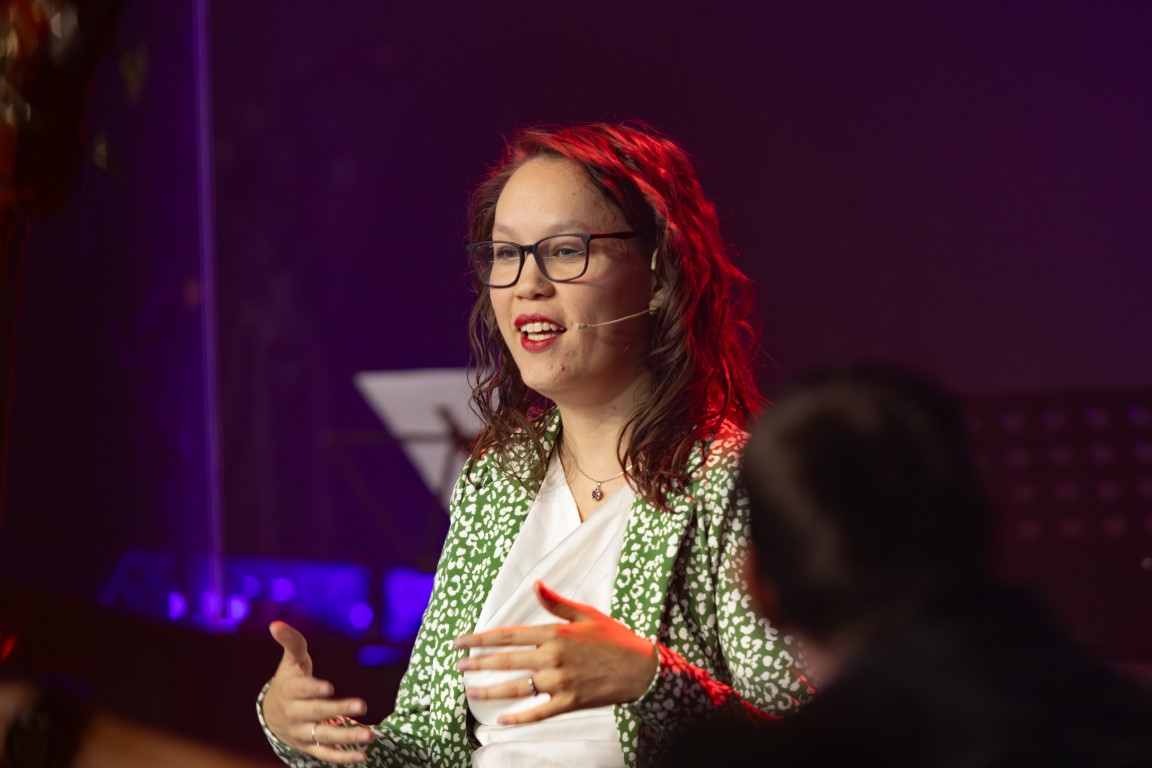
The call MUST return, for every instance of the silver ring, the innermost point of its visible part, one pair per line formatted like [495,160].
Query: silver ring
[532,687]
[315,740]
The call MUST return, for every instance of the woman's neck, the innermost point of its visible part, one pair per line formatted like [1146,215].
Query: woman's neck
[589,446]
[590,434]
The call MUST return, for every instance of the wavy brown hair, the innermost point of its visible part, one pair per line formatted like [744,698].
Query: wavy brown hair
[703,340]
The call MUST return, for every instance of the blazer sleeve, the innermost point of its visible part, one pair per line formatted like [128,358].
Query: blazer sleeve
[717,655]
[418,732]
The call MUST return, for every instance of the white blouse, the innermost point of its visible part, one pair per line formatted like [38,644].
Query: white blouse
[578,561]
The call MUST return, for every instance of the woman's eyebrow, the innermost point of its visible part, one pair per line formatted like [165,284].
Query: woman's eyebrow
[558,228]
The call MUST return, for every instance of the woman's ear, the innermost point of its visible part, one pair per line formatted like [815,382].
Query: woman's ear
[659,289]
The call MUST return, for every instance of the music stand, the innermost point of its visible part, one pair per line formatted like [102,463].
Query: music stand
[427,413]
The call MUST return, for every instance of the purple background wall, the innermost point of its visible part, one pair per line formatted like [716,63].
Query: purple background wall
[108,420]
[962,187]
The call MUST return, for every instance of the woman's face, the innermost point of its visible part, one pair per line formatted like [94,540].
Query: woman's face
[592,367]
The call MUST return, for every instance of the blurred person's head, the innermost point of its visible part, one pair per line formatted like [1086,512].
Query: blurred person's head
[864,502]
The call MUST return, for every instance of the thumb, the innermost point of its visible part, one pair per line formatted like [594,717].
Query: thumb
[561,606]
[295,647]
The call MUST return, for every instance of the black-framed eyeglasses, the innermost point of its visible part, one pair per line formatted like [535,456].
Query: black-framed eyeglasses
[498,263]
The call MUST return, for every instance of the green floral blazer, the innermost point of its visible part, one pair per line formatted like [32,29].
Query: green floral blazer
[679,584]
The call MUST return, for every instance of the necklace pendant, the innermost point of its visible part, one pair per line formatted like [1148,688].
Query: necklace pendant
[597,494]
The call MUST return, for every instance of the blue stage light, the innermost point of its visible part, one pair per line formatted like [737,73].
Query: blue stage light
[177,606]
[406,593]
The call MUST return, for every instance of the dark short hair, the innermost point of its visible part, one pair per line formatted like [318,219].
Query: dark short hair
[864,495]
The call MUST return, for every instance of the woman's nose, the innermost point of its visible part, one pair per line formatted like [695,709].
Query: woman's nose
[532,281]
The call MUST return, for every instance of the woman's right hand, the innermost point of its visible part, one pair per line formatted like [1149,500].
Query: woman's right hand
[299,709]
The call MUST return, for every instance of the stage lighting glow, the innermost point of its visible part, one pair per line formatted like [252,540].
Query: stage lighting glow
[237,608]
[361,616]
[283,589]
[377,655]
[406,593]
[249,586]
[177,606]
[6,648]
[211,604]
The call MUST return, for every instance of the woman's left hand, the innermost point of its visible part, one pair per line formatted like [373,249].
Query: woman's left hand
[590,661]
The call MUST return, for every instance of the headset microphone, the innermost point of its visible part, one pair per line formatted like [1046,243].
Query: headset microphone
[582,326]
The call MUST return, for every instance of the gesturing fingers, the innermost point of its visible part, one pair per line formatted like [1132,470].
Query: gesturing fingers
[299,709]
[507,637]
[308,711]
[551,702]
[520,688]
[588,660]
[560,606]
[336,740]
[526,659]
[294,645]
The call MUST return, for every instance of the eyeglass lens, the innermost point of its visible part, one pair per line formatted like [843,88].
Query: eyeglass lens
[560,258]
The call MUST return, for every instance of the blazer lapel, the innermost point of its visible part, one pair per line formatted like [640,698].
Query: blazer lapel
[503,506]
[647,556]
